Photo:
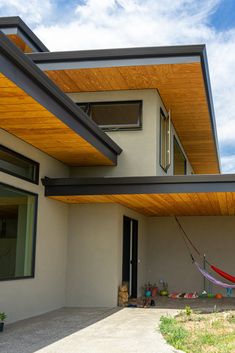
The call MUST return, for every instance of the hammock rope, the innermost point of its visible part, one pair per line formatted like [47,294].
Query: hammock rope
[210,278]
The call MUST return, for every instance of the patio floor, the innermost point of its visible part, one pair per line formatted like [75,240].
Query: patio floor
[99,330]
[76,330]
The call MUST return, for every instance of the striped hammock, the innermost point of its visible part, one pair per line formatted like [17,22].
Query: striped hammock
[213,279]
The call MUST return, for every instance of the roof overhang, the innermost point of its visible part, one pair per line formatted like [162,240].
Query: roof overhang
[179,73]
[19,33]
[191,195]
[34,109]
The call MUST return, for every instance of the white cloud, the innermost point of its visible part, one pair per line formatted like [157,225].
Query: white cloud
[32,12]
[90,24]
[228,163]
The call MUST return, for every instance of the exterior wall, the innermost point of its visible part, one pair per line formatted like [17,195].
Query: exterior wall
[29,297]
[140,156]
[168,258]
[95,254]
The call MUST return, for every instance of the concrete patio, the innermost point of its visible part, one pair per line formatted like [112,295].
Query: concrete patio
[78,330]
[100,330]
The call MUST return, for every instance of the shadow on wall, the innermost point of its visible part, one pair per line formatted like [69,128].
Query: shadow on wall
[30,335]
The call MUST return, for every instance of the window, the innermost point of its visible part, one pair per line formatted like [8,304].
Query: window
[180,164]
[14,163]
[17,232]
[115,115]
[165,140]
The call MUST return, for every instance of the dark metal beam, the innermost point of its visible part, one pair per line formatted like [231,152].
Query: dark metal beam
[26,75]
[139,185]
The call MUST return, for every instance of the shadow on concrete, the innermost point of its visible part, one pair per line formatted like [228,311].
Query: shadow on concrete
[30,335]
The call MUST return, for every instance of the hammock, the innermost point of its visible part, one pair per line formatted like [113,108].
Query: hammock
[188,242]
[212,279]
[223,274]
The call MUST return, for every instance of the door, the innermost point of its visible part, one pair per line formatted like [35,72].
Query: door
[130,254]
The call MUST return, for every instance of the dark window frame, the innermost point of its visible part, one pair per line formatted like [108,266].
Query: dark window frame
[33,263]
[23,158]
[175,140]
[162,114]
[126,127]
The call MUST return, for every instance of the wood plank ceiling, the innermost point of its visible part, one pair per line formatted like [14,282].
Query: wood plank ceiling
[182,89]
[25,118]
[182,204]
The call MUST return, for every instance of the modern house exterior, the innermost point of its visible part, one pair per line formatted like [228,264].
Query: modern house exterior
[99,151]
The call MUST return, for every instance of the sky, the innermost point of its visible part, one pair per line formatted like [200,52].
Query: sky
[89,24]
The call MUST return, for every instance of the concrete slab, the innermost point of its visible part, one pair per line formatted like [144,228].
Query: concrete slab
[76,330]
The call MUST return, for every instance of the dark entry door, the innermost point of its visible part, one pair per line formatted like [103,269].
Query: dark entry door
[130,254]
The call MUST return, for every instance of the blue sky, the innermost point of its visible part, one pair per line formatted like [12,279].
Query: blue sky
[89,24]
[224,16]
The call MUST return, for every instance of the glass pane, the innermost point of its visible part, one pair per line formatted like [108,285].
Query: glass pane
[20,166]
[164,142]
[84,107]
[179,160]
[116,114]
[17,232]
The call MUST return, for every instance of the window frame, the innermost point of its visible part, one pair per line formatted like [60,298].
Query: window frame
[33,263]
[163,115]
[126,127]
[175,140]
[23,158]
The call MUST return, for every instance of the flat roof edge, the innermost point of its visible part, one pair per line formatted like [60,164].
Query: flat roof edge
[44,86]
[104,55]
[16,21]
[118,53]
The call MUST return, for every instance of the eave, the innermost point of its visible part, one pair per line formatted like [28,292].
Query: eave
[179,73]
[21,35]
[193,195]
[34,109]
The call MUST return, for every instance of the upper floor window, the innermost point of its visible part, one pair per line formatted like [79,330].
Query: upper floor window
[115,115]
[180,163]
[15,164]
[17,232]
[165,138]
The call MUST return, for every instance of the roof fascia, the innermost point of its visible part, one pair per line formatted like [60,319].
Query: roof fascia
[114,54]
[26,75]
[17,26]
[206,74]
[139,185]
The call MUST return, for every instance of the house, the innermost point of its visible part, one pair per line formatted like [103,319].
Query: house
[100,150]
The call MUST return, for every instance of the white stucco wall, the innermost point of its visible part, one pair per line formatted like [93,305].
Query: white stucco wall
[168,257]
[95,254]
[29,297]
[140,156]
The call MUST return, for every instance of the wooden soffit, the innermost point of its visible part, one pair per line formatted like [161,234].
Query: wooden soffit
[181,87]
[24,117]
[177,204]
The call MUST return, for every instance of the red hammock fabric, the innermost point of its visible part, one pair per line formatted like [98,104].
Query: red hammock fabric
[223,274]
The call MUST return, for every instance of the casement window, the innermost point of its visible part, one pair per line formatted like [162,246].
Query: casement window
[165,138]
[18,210]
[15,164]
[125,115]
[180,163]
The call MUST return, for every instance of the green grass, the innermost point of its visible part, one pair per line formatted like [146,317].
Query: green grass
[200,333]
